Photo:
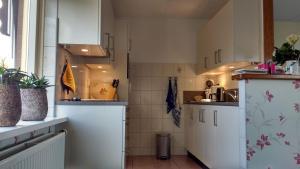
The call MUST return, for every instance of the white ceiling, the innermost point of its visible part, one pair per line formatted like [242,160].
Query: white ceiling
[287,10]
[202,9]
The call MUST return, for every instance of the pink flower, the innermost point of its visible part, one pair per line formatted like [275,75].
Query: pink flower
[287,143]
[281,117]
[250,153]
[263,141]
[297,107]
[297,84]
[269,96]
[297,158]
[280,135]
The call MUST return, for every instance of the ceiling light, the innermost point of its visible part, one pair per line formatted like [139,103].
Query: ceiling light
[1,4]
[100,67]
[84,50]
[74,66]
[104,71]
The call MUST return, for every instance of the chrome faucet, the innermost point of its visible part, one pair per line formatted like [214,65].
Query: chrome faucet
[233,96]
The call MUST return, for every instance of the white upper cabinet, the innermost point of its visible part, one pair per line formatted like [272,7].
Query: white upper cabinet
[232,35]
[85,22]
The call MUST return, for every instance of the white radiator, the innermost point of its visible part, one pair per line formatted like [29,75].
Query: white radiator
[48,154]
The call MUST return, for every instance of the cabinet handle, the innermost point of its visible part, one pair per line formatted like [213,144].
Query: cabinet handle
[216,57]
[129,45]
[203,116]
[200,116]
[192,116]
[205,62]
[112,49]
[215,118]
[219,52]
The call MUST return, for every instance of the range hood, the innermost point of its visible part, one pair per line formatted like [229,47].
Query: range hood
[86,50]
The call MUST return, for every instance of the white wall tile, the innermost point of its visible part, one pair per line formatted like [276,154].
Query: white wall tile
[179,70]
[135,98]
[168,70]
[146,97]
[156,125]
[157,111]
[157,70]
[145,111]
[148,107]
[50,23]
[189,70]
[146,140]
[157,83]
[134,125]
[49,61]
[145,125]
[168,125]
[144,84]
[156,98]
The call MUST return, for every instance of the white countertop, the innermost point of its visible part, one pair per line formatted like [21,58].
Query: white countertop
[28,126]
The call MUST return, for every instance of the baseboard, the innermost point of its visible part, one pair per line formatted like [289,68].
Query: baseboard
[190,155]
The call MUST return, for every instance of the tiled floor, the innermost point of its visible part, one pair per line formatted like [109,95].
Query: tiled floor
[150,162]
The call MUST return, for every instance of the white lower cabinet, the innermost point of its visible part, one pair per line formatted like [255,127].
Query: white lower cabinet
[96,136]
[212,135]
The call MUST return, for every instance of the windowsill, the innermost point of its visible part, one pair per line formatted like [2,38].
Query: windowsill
[29,126]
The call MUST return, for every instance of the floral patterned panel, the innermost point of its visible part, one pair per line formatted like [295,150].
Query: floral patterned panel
[273,124]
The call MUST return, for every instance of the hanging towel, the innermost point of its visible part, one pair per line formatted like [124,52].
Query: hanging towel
[67,78]
[172,102]
[176,112]
[170,98]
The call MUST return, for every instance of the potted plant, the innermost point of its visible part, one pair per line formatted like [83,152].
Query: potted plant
[287,55]
[34,98]
[10,99]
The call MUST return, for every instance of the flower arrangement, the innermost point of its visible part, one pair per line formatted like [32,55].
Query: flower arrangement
[287,51]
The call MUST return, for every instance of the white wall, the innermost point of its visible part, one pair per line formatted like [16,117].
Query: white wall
[284,29]
[164,40]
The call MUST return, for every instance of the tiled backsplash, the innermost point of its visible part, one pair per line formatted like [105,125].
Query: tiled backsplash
[147,107]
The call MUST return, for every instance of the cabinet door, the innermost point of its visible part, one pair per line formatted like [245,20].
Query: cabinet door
[189,128]
[225,34]
[202,59]
[107,23]
[79,21]
[227,142]
[209,137]
[95,137]
[199,131]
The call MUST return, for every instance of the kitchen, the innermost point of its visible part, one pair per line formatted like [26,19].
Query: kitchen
[197,72]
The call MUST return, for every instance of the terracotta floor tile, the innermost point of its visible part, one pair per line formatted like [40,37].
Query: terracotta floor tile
[150,162]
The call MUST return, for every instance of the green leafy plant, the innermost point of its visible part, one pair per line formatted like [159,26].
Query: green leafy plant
[287,51]
[34,82]
[10,76]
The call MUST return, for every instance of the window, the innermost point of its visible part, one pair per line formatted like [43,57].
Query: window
[7,31]
[18,33]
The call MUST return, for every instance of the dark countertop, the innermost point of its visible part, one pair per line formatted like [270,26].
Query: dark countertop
[215,103]
[265,77]
[93,102]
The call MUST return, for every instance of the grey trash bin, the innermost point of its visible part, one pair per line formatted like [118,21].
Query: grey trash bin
[163,146]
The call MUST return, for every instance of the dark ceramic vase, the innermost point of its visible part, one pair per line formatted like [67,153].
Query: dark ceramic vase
[10,105]
[34,104]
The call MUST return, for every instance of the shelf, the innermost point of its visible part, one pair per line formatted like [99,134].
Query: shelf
[28,126]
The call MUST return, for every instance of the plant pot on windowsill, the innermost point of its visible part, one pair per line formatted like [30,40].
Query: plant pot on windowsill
[10,99]
[10,105]
[34,98]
